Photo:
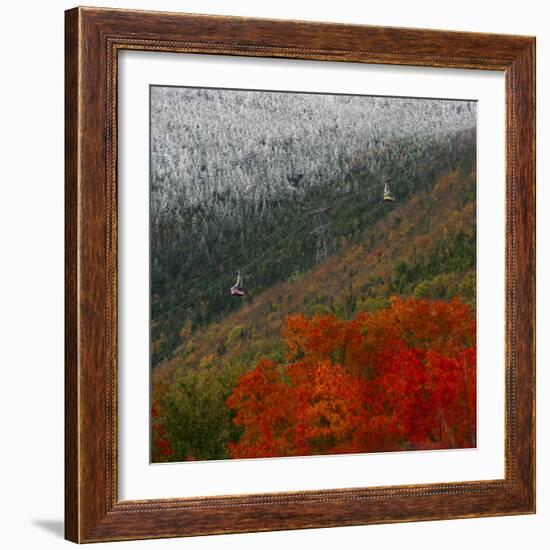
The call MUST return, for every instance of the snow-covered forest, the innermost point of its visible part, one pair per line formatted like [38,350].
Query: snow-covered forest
[260,146]
[231,168]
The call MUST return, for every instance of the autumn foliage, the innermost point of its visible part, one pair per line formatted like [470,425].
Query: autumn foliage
[397,379]
[162,448]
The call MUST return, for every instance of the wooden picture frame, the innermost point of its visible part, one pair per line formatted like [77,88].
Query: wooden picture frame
[93,511]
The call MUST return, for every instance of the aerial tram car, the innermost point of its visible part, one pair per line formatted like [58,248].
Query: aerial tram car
[388,195]
[237,289]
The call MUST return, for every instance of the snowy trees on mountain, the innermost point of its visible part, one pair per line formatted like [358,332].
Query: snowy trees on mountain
[209,144]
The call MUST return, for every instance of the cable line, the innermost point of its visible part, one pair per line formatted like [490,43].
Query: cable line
[227,260]
[246,251]
[223,280]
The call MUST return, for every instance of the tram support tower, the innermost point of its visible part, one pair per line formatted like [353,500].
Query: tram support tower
[321,229]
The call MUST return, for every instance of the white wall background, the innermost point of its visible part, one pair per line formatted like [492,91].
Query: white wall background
[31,271]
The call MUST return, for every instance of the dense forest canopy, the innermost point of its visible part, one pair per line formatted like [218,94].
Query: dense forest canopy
[207,144]
[234,174]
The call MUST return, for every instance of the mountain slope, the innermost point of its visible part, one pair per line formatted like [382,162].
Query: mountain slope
[233,171]
[278,245]
[424,245]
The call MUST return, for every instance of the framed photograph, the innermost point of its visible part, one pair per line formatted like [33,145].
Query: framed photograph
[300,275]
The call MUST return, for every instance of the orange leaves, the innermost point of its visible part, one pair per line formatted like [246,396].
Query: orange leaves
[318,336]
[333,408]
[263,407]
[399,378]
[446,327]
[300,410]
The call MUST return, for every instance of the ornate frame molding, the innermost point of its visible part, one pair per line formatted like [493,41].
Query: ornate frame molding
[93,38]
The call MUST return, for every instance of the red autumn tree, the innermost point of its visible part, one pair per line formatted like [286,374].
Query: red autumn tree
[161,447]
[399,378]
